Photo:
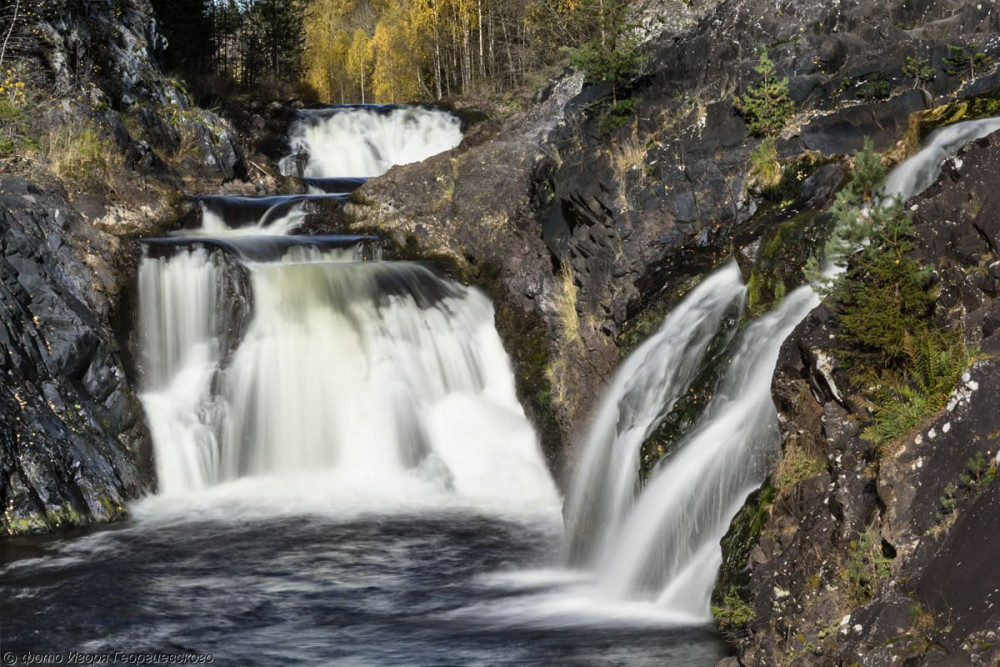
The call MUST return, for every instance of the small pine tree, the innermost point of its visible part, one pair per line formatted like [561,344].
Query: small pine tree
[920,70]
[612,53]
[966,61]
[767,106]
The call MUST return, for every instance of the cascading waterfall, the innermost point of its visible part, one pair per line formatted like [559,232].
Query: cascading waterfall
[661,543]
[919,172]
[365,141]
[669,545]
[269,355]
[643,390]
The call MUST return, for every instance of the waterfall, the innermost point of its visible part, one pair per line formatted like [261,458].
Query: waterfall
[642,391]
[660,542]
[920,171]
[668,548]
[364,141]
[271,355]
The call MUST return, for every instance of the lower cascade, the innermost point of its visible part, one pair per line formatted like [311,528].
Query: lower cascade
[367,368]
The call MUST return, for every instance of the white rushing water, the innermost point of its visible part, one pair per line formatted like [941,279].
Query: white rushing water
[643,390]
[669,547]
[919,172]
[286,366]
[362,142]
[661,543]
[379,370]
[278,220]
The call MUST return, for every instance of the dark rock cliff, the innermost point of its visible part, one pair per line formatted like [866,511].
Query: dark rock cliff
[584,233]
[73,446]
[927,503]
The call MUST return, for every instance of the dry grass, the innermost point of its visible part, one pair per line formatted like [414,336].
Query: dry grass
[571,341]
[797,465]
[80,157]
[765,169]
[626,157]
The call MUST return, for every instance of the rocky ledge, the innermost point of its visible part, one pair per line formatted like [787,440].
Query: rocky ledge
[886,556]
[73,447]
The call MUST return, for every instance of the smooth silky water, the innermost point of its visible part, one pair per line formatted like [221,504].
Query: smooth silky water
[345,474]
[347,478]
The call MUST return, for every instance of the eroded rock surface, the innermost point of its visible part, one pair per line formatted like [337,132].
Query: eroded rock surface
[73,447]
[927,502]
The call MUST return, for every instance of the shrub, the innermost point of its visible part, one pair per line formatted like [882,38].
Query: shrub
[765,170]
[979,473]
[920,70]
[81,157]
[966,61]
[767,106]
[905,366]
[874,89]
[733,613]
[866,566]
[612,52]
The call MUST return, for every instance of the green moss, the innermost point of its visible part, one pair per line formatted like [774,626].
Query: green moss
[983,106]
[785,248]
[743,535]
[640,328]
[525,338]
[34,523]
[112,510]
[65,516]
[734,613]
[688,408]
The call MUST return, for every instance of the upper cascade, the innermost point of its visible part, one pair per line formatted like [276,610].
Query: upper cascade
[352,142]
[920,171]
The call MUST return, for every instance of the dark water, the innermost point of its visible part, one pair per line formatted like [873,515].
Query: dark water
[400,589]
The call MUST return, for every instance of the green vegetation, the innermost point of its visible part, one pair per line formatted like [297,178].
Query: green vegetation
[932,363]
[797,465]
[904,365]
[611,53]
[13,101]
[348,51]
[979,473]
[865,568]
[81,157]
[731,598]
[874,89]
[766,107]
[733,613]
[966,61]
[919,70]
[785,247]
[765,169]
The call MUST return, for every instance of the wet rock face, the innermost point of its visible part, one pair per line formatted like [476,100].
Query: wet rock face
[929,499]
[72,445]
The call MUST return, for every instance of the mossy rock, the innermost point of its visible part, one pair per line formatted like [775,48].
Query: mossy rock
[785,248]
[742,536]
[685,412]
[982,106]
